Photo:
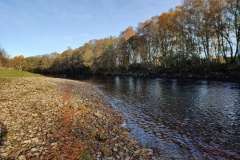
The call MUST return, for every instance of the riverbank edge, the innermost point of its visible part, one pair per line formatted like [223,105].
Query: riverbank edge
[97,127]
[226,76]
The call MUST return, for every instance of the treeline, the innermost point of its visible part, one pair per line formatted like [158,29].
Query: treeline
[199,34]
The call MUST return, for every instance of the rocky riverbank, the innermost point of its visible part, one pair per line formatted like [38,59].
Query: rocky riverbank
[47,118]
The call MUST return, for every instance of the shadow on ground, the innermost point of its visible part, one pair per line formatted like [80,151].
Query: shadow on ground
[3,132]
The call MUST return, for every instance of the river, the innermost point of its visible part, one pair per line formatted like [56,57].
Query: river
[184,119]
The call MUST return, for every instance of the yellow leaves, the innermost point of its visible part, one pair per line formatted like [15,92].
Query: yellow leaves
[88,58]
[127,33]
[68,52]
[21,57]
[165,20]
[18,62]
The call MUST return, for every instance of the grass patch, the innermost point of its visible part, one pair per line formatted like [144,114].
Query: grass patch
[89,143]
[93,133]
[102,137]
[85,155]
[7,74]
[84,109]
[106,151]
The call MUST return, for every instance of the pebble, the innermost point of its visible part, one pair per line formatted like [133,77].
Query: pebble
[34,149]
[27,141]
[31,115]
[98,114]
[53,144]
[35,140]
[37,154]
[115,149]
[4,154]
[35,115]
[121,154]
[137,152]
[22,157]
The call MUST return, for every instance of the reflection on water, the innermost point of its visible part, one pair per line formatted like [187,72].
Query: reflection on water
[184,119]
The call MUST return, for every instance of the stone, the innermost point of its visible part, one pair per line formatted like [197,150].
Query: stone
[98,114]
[27,141]
[149,151]
[4,154]
[54,145]
[121,154]
[31,136]
[35,140]
[74,106]
[12,155]
[7,149]
[22,157]
[34,149]
[115,149]
[37,154]
[136,152]
[35,115]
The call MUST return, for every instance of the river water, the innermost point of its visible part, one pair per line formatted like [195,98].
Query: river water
[183,119]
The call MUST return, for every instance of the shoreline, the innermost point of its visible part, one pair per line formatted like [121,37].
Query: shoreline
[227,75]
[46,118]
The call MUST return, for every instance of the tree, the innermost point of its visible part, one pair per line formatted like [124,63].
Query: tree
[148,30]
[18,62]
[234,19]
[166,33]
[3,57]
[88,54]
[105,62]
[124,48]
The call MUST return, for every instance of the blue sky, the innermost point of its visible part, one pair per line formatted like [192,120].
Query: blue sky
[36,27]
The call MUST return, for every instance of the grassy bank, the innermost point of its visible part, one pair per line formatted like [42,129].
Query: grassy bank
[7,74]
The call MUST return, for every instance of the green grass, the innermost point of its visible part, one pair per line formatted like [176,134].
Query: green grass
[85,155]
[7,74]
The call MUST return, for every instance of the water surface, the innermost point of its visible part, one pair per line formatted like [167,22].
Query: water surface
[181,118]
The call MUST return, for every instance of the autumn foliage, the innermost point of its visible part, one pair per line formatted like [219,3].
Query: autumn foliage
[196,34]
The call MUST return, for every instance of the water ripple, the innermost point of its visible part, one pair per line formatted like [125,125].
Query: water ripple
[184,119]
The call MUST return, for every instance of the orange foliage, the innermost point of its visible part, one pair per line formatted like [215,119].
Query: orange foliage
[127,33]
[164,20]
[69,145]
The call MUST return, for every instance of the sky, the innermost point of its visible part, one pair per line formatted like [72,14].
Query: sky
[37,27]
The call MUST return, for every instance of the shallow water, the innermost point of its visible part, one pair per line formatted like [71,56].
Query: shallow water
[183,119]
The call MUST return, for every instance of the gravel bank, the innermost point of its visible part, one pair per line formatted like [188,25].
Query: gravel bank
[47,118]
